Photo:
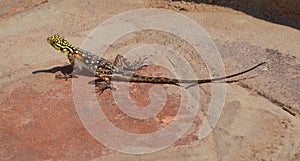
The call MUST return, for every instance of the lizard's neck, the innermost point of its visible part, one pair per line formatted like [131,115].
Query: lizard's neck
[69,49]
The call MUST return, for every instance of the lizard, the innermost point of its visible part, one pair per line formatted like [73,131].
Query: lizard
[120,69]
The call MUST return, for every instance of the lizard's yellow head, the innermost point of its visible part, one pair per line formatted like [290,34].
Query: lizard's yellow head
[60,44]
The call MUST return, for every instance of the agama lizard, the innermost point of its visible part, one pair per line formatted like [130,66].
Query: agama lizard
[105,70]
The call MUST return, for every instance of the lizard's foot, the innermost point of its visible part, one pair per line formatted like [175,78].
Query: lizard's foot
[102,87]
[136,65]
[63,76]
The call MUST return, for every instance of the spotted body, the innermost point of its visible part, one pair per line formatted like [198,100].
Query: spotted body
[106,71]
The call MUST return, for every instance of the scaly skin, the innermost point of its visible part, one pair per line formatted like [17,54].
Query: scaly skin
[105,70]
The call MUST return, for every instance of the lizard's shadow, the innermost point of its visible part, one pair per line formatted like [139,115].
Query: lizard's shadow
[67,69]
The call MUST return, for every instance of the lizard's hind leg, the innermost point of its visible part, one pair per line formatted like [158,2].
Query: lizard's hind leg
[101,87]
[122,63]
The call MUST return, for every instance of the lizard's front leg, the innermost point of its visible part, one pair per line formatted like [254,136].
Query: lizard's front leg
[66,76]
[120,61]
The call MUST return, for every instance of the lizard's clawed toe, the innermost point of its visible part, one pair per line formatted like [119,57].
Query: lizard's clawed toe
[103,87]
[63,76]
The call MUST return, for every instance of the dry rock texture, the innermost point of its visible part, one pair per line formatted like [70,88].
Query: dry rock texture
[38,115]
[284,12]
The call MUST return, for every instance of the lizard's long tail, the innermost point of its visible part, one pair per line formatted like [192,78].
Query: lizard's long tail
[164,80]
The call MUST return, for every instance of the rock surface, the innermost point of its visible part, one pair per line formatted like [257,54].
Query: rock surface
[39,120]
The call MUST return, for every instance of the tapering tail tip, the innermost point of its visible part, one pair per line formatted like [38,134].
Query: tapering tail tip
[262,63]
